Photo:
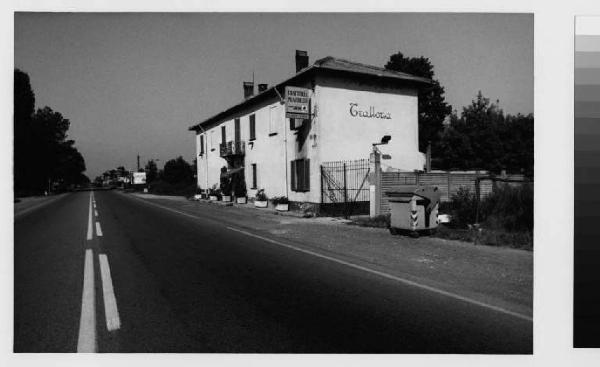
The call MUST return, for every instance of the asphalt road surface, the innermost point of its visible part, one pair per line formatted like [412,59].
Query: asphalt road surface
[107,272]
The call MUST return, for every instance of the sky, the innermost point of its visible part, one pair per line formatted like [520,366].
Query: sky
[133,83]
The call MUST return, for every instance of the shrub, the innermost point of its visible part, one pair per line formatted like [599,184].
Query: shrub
[463,207]
[260,195]
[160,187]
[214,191]
[280,200]
[239,184]
[509,208]
[225,185]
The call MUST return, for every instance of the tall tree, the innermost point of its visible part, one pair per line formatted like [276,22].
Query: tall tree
[178,171]
[24,104]
[151,171]
[482,137]
[433,108]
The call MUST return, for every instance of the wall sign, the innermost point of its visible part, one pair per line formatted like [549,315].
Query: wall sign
[297,103]
[357,111]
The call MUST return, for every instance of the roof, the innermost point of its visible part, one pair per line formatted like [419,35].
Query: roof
[326,64]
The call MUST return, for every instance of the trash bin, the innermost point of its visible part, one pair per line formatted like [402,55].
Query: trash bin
[414,209]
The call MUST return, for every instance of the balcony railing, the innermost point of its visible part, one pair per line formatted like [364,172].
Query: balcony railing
[232,148]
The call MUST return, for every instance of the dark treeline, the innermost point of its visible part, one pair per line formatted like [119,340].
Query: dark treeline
[481,137]
[44,158]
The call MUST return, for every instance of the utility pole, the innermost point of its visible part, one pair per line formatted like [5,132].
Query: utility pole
[138,163]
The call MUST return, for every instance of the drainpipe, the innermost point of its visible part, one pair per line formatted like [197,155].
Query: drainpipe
[206,159]
[285,155]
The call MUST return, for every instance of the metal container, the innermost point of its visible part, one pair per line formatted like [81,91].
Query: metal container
[414,209]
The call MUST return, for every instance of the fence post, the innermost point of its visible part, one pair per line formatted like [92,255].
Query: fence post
[345,186]
[322,186]
[374,184]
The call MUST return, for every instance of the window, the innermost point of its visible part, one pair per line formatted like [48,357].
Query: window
[273,120]
[223,137]
[237,130]
[254,184]
[212,140]
[201,145]
[300,172]
[252,127]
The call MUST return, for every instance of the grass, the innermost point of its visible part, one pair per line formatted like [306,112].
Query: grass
[478,236]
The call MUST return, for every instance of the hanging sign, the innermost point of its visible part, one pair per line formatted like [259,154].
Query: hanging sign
[297,103]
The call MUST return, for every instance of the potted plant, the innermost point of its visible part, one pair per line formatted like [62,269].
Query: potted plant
[214,193]
[239,187]
[225,185]
[281,203]
[198,195]
[261,200]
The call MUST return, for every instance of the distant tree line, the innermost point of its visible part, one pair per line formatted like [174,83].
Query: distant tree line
[44,158]
[481,137]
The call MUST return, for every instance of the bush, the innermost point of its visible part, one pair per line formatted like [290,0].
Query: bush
[507,208]
[225,185]
[214,191]
[463,207]
[280,200]
[238,182]
[160,187]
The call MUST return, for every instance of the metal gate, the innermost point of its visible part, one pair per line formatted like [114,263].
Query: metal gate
[345,187]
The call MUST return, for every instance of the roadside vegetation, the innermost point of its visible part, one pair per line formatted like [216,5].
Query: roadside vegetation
[45,159]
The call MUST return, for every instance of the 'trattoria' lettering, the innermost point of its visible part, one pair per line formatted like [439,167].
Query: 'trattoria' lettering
[355,111]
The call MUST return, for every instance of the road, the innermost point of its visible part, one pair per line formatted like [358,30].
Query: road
[107,272]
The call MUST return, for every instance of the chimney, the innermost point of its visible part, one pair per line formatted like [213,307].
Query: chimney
[301,60]
[248,89]
[262,88]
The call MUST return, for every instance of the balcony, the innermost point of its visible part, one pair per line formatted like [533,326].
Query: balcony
[232,148]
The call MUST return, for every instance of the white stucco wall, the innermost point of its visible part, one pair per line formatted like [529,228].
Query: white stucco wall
[343,136]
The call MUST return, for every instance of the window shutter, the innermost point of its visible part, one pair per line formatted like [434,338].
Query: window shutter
[223,137]
[306,175]
[252,127]
[293,176]
[201,144]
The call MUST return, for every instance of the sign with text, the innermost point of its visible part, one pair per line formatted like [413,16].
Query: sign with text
[139,178]
[297,103]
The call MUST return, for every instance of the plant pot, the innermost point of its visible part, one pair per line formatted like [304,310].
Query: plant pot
[282,207]
[261,204]
[226,198]
[197,196]
[213,198]
[241,200]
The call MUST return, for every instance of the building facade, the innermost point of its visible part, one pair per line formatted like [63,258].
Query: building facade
[352,106]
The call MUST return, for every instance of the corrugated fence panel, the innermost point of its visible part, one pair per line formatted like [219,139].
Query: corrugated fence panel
[447,182]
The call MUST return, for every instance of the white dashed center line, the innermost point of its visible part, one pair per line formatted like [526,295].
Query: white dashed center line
[87,323]
[98,230]
[110,302]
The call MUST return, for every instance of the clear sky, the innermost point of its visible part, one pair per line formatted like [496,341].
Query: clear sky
[133,83]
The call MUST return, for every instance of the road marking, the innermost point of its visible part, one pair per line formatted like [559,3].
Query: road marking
[110,302]
[95,212]
[87,323]
[382,274]
[389,276]
[89,229]
[98,230]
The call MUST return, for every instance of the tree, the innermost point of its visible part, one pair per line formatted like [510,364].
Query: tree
[484,138]
[151,171]
[42,155]
[433,108]
[178,171]
[24,104]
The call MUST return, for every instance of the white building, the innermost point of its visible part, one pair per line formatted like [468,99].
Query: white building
[353,105]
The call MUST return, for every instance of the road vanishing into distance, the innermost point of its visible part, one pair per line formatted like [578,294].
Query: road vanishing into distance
[105,271]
